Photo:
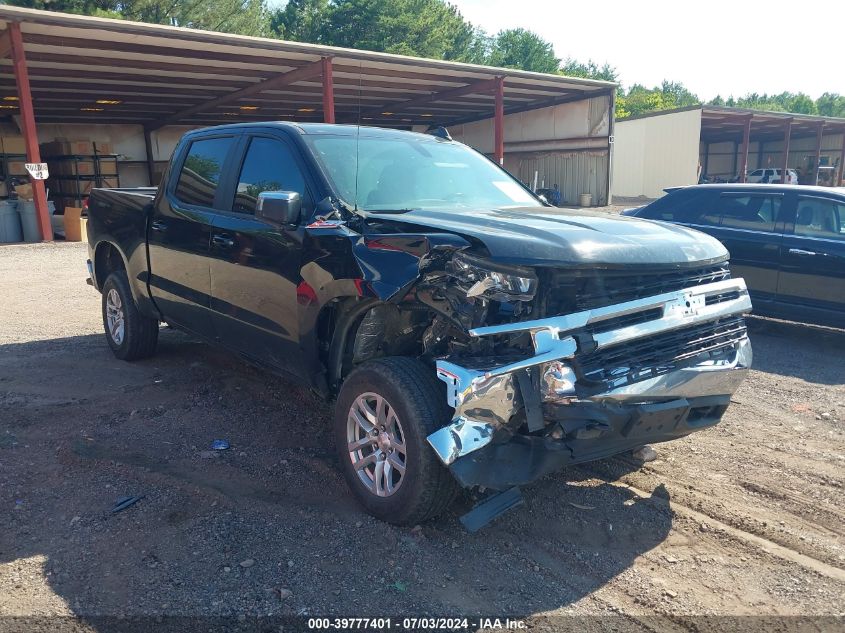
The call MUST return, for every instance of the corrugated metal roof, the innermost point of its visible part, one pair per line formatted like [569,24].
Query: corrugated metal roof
[155,71]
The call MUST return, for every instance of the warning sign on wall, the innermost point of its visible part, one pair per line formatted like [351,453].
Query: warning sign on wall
[38,171]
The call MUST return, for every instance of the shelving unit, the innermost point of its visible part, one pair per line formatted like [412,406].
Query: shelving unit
[73,176]
[7,174]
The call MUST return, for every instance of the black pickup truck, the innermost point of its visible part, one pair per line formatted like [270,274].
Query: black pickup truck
[469,333]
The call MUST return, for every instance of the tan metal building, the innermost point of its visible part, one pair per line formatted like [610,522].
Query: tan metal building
[678,147]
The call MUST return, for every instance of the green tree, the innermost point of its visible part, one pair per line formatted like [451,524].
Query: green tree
[640,100]
[831,104]
[426,28]
[301,21]
[520,48]
[589,70]
[245,17]
[675,95]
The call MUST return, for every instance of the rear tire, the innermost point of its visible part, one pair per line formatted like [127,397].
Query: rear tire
[130,334]
[394,473]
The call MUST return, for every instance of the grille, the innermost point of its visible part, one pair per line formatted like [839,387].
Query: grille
[570,292]
[663,352]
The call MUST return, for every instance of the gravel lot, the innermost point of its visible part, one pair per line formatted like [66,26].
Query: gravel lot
[743,519]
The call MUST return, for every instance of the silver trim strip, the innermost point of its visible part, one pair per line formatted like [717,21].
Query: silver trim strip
[676,314]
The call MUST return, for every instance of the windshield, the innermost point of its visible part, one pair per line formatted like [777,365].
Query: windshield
[403,174]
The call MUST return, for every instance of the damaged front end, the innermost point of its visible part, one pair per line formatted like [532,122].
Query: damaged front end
[557,367]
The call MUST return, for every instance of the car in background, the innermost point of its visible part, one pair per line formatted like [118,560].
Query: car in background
[787,241]
[772,176]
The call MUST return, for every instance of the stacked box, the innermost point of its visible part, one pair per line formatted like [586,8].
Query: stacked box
[13,145]
[74,148]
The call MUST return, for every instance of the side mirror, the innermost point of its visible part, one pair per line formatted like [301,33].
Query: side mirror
[279,207]
[543,198]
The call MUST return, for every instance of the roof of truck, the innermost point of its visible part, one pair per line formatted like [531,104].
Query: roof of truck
[334,129]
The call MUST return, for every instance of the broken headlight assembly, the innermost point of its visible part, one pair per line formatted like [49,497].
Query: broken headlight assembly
[486,279]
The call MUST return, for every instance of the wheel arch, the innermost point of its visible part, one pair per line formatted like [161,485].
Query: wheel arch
[107,259]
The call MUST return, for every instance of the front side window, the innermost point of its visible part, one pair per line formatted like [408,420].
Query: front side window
[696,207]
[200,174]
[394,174]
[268,166]
[817,217]
[755,213]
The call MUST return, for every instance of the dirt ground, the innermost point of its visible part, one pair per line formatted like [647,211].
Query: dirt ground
[746,519]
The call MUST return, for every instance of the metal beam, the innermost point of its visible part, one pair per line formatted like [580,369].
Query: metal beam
[485,85]
[30,132]
[309,71]
[819,136]
[746,141]
[786,138]
[328,89]
[499,121]
[841,175]
[151,165]
[535,105]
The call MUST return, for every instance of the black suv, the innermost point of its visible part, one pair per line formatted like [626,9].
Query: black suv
[787,242]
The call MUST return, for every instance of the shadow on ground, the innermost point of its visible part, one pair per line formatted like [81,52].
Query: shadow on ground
[231,533]
[794,349]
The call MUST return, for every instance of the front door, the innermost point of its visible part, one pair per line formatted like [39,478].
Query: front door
[179,233]
[813,256]
[256,265]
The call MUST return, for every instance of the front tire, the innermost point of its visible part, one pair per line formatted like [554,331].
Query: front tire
[384,412]
[130,334]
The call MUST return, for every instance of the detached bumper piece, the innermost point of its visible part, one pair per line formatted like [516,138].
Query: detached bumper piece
[600,382]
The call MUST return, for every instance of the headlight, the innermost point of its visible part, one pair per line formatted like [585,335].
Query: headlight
[493,281]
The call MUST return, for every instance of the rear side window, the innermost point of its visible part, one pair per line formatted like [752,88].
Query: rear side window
[268,166]
[820,218]
[689,207]
[754,213]
[200,174]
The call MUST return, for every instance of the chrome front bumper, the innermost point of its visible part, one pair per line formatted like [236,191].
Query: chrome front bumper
[485,399]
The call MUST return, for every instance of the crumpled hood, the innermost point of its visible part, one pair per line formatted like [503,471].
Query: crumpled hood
[544,237]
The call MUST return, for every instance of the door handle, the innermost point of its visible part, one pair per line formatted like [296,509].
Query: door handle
[802,252]
[222,241]
[158,225]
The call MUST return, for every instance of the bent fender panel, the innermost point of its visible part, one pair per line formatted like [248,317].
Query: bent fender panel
[391,263]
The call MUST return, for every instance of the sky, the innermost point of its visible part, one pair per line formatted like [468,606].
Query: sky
[713,47]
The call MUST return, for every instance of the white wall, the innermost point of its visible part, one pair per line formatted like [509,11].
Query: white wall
[566,144]
[565,126]
[656,152]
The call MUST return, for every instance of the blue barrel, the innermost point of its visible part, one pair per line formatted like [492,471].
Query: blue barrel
[10,222]
[29,219]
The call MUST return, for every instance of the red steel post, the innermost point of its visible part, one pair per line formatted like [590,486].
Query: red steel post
[784,179]
[746,141]
[30,132]
[841,176]
[499,122]
[819,136]
[328,90]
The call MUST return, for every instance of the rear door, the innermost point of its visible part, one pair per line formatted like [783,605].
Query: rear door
[750,226]
[255,266]
[813,255]
[179,233]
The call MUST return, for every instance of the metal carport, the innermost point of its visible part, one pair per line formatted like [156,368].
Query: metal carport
[60,68]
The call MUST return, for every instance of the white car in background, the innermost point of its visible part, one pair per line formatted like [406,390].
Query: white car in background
[772,176]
